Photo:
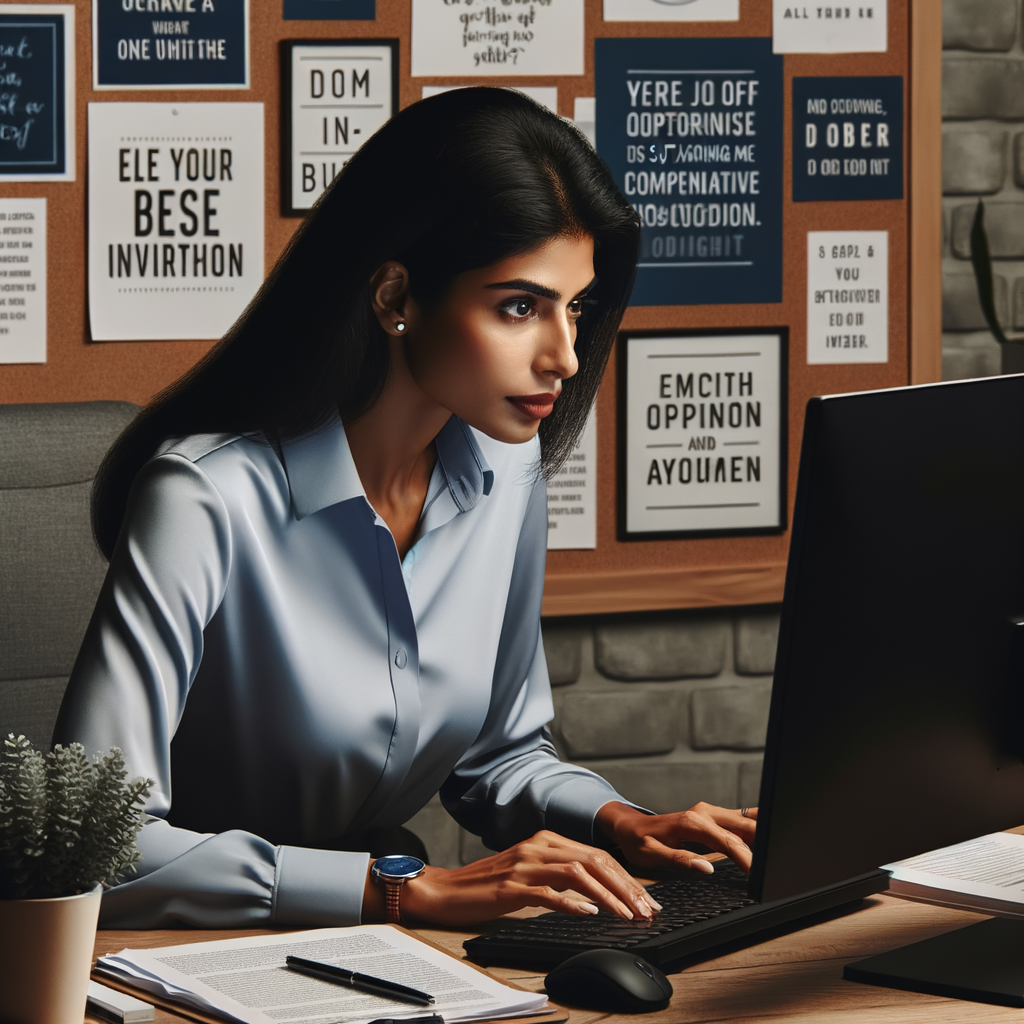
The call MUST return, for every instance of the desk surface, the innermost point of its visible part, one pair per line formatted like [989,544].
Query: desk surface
[796,977]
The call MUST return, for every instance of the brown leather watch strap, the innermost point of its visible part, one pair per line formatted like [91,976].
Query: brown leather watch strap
[392,898]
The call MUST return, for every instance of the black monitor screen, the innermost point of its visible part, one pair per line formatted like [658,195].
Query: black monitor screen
[897,717]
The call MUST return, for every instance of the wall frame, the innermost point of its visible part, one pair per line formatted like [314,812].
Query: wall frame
[335,93]
[709,408]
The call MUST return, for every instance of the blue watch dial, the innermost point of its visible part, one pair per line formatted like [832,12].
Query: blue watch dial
[398,867]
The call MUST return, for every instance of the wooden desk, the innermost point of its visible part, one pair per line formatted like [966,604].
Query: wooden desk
[796,977]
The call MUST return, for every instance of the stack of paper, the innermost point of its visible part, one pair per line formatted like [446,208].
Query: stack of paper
[985,874]
[246,979]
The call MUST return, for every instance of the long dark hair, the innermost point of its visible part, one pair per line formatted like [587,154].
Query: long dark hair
[451,184]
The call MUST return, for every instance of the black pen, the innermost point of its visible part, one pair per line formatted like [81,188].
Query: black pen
[360,982]
[434,1018]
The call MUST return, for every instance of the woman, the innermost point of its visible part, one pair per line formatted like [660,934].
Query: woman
[330,538]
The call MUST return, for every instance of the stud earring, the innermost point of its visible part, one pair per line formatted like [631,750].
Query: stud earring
[400,326]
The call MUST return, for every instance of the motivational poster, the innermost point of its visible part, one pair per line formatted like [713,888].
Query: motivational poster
[830,28]
[692,131]
[671,10]
[494,37]
[704,428]
[22,280]
[330,10]
[37,92]
[847,296]
[847,138]
[170,44]
[339,94]
[572,496]
[175,218]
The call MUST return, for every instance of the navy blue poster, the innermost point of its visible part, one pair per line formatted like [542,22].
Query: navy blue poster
[170,44]
[692,130]
[330,10]
[847,138]
[32,114]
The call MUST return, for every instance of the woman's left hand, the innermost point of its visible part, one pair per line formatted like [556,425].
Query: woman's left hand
[653,840]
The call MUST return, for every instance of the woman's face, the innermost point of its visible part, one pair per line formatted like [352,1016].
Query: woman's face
[497,348]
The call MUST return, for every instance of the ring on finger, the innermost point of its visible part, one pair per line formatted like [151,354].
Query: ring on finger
[745,812]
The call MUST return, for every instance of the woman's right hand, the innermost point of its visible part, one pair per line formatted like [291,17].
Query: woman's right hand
[546,870]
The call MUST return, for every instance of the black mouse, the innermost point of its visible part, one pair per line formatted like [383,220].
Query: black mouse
[611,980]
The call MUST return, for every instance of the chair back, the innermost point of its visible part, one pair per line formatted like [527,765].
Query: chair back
[50,567]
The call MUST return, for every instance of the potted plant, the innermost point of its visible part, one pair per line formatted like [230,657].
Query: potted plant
[68,827]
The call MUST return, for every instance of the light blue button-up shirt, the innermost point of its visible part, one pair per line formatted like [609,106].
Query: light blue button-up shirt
[260,651]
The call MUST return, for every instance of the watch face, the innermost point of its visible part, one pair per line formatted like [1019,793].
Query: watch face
[398,867]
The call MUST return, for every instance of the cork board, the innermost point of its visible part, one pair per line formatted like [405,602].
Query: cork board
[616,576]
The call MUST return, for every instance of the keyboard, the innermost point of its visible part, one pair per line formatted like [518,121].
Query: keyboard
[700,913]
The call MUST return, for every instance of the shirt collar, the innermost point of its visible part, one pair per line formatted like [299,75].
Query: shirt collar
[321,471]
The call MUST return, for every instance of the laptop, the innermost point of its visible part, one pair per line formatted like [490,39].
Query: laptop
[897,714]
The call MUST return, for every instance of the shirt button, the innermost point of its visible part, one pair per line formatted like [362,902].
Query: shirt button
[401,658]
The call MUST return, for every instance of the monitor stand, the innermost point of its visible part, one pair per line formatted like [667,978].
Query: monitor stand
[983,962]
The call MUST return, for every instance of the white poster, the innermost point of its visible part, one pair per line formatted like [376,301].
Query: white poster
[545,95]
[703,433]
[584,113]
[847,296]
[671,10]
[830,28]
[22,280]
[495,37]
[572,496]
[340,95]
[175,218]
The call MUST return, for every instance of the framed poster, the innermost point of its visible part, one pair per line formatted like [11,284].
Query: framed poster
[847,138]
[337,93]
[37,92]
[175,218]
[702,432]
[692,132]
[190,44]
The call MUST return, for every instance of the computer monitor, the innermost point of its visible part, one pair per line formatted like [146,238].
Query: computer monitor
[897,715]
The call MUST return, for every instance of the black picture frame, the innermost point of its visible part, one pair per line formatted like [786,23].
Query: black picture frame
[286,53]
[621,431]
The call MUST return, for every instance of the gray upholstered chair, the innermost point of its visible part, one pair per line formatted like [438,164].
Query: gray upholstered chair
[50,567]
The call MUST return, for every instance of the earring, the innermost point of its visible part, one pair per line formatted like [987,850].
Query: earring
[400,326]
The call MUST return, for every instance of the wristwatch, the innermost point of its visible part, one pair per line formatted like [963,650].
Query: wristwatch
[394,872]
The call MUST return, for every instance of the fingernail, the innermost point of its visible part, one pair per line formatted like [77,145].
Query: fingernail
[643,907]
[653,902]
[588,907]
[629,913]
[703,865]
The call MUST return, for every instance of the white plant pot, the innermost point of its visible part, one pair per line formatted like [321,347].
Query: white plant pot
[46,951]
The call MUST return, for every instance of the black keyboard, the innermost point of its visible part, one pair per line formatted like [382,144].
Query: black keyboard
[700,913]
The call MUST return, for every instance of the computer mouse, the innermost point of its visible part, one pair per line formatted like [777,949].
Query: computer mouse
[609,979]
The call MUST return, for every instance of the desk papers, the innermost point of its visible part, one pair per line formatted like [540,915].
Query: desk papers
[246,979]
[985,875]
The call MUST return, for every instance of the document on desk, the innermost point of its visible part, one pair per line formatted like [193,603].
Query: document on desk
[246,979]
[985,874]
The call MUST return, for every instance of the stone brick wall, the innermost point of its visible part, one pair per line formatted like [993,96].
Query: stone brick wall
[982,157]
[671,708]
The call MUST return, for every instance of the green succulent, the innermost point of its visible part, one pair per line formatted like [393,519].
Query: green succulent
[66,822]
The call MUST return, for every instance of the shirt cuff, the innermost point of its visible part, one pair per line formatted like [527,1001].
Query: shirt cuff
[572,809]
[318,888]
